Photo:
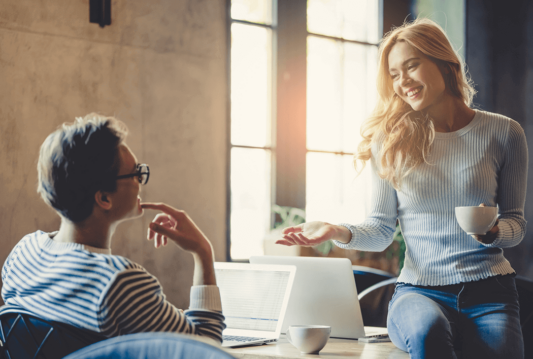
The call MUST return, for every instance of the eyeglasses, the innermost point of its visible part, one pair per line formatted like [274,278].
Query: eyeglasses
[143,173]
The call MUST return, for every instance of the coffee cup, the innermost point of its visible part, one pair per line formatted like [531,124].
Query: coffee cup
[476,220]
[308,339]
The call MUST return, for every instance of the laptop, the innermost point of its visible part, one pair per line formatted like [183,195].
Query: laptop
[254,301]
[324,293]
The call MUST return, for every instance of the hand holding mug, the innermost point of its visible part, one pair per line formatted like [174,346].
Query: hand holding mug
[480,222]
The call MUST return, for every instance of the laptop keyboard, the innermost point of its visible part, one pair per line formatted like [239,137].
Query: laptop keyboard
[240,339]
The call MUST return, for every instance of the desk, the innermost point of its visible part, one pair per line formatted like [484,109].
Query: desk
[336,348]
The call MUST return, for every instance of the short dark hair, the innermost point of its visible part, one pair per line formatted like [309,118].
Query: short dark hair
[76,161]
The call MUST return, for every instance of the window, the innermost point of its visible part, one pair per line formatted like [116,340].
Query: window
[341,72]
[302,81]
[251,125]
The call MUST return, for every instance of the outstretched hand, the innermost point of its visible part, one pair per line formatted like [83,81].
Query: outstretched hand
[311,234]
[176,225]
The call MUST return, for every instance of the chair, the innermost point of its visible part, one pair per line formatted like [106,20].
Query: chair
[366,277]
[151,345]
[524,287]
[374,302]
[25,336]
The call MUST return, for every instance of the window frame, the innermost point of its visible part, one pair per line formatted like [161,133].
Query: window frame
[288,105]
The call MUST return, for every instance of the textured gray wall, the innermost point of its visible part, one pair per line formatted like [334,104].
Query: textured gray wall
[161,68]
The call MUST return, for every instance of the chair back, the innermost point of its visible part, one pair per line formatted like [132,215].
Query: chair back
[24,336]
[374,302]
[524,287]
[152,346]
[365,277]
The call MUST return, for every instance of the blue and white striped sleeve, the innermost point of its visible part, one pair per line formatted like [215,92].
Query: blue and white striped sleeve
[134,302]
[512,182]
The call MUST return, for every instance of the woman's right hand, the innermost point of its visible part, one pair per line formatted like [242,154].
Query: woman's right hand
[176,225]
[313,233]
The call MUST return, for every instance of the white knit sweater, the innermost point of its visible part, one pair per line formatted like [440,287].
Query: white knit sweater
[484,162]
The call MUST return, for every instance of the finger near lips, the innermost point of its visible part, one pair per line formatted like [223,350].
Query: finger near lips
[163,208]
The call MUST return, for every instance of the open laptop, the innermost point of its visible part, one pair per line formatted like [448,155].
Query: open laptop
[324,293]
[254,301]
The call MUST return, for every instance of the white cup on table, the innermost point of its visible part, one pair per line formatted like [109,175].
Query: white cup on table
[308,339]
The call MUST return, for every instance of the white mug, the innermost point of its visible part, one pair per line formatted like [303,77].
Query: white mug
[476,220]
[308,339]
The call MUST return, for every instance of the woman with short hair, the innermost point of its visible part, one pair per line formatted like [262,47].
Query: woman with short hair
[431,152]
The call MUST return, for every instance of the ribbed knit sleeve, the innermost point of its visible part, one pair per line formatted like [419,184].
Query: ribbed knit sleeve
[376,232]
[512,189]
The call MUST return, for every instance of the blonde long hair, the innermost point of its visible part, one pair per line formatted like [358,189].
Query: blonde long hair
[405,136]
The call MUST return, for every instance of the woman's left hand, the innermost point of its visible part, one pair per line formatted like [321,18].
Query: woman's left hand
[490,236]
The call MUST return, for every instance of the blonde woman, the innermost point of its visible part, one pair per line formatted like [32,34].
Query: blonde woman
[430,152]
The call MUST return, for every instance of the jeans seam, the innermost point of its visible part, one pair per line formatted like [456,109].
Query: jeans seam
[457,300]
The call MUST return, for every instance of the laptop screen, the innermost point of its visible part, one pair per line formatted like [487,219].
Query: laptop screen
[252,299]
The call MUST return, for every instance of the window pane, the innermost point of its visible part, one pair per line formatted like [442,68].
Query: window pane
[359,93]
[341,92]
[250,201]
[324,94]
[259,11]
[348,19]
[334,193]
[250,85]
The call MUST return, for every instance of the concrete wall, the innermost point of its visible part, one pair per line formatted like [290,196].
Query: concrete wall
[161,68]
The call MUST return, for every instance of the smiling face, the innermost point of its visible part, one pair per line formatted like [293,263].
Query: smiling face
[126,201]
[416,79]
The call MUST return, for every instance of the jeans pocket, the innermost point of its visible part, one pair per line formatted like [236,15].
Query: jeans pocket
[395,294]
[506,282]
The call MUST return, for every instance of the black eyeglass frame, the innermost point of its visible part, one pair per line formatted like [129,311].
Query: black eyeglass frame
[139,174]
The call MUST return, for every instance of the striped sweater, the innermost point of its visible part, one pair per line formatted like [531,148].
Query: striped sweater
[89,288]
[484,162]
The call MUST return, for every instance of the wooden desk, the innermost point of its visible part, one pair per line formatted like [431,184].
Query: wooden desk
[336,348]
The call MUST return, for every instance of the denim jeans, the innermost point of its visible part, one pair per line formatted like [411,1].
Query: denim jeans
[467,320]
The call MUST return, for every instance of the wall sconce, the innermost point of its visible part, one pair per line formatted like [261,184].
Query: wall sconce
[100,12]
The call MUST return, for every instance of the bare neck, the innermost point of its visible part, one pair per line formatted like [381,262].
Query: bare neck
[450,114]
[95,232]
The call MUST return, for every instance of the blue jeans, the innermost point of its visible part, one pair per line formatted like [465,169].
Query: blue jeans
[467,320]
